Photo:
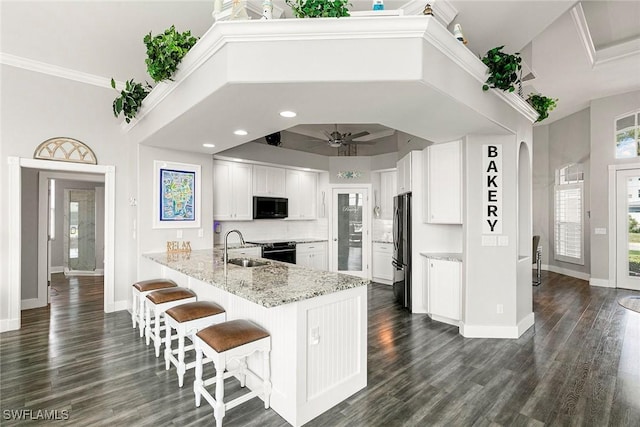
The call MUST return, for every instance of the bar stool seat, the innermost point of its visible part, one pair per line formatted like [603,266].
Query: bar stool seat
[139,291]
[157,302]
[187,319]
[236,339]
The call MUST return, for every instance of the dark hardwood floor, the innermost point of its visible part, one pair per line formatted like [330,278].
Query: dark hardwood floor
[579,365]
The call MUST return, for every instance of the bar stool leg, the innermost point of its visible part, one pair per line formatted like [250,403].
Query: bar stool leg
[134,308]
[266,375]
[242,376]
[167,345]
[156,330]
[219,410]
[197,383]
[147,329]
[181,368]
[141,311]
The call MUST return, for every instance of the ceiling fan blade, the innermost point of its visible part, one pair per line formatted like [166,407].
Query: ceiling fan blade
[360,142]
[357,135]
[376,135]
[327,134]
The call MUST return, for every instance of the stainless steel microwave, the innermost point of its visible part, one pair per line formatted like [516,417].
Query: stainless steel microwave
[270,207]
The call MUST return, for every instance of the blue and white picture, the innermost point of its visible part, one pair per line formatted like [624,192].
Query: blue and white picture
[177,195]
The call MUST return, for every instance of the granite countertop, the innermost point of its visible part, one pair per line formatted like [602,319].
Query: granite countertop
[445,256]
[382,241]
[235,246]
[271,285]
[296,240]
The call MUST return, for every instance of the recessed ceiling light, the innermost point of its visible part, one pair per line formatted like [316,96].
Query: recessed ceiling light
[238,160]
[288,114]
[208,145]
[240,132]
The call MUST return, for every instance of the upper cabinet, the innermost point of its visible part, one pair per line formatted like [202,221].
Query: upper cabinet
[232,191]
[404,174]
[301,188]
[388,189]
[444,183]
[268,181]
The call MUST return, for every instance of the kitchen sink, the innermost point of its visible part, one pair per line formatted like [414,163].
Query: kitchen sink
[245,262]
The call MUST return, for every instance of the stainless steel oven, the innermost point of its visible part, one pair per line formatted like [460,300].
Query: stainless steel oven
[279,251]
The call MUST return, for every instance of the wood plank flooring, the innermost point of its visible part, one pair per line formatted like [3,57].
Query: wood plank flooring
[579,365]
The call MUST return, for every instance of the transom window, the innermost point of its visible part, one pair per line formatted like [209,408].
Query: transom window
[627,135]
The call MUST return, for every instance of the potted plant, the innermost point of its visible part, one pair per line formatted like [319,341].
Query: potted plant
[503,69]
[319,8]
[165,51]
[541,104]
[130,99]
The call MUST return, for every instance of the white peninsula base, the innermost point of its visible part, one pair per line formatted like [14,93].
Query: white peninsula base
[319,345]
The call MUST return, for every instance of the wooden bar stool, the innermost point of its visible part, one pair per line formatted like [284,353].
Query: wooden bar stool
[236,339]
[158,302]
[187,319]
[140,290]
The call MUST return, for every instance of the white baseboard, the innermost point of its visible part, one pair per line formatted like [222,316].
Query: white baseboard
[57,269]
[566,272]
[445,320]
[526,323]
[602,283]
[96,272]
[9,325]
[488,331]
[383,281]
[121,305]
[28,304]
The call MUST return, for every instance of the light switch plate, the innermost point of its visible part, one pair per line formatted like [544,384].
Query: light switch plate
[503,240]
[489,241]
[200,232]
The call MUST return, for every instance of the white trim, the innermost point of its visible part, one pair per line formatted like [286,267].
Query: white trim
[57,269]
[96,272]
[57,71]
[613,228]
[442,9]
[489,331]
[9,325]
[602,283]
[14,189]
[446,320]
[28,304]
[528,321]
[618,51]
[565,271]
[577,13]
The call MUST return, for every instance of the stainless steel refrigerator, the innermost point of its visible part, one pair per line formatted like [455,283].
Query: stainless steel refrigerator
[402,249]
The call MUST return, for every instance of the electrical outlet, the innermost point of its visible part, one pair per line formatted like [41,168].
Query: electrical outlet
[500,309]
[200,232]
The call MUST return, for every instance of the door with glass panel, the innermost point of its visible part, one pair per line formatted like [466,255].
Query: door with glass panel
[628,229]
[80,230]
[350,231]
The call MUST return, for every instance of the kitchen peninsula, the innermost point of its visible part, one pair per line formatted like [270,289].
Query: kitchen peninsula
[317,321]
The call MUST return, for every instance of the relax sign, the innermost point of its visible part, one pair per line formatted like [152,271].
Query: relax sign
[492,188]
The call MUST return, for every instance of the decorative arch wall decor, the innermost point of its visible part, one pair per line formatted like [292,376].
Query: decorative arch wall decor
[65,150]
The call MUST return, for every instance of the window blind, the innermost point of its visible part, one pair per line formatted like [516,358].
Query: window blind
[568,214]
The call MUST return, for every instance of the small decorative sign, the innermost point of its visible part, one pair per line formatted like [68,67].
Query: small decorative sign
[492,188]
[176,246]
[349,174]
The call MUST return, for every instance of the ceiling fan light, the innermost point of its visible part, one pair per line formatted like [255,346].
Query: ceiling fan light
[335,144]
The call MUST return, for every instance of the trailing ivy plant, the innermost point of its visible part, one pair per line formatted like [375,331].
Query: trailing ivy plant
[165,51]
[503,69]
[130,98]
[541,104]
[319,8]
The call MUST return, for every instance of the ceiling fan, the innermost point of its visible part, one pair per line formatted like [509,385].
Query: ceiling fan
[336,139]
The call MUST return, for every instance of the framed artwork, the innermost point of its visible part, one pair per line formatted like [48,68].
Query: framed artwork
[176,195]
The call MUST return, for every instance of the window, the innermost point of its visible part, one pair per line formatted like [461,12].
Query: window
[568,214]
[627,135]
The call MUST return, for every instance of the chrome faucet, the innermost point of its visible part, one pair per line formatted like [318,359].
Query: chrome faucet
[225,258]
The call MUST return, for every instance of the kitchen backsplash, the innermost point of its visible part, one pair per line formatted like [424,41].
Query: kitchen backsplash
[268,229]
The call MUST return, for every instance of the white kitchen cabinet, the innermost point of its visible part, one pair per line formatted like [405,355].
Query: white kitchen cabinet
[312,255]
[254,252]
[388,189]
[301,189]
[232,191]
[443,284]
[444,183]
[404,174]
[382,255]
[268,181]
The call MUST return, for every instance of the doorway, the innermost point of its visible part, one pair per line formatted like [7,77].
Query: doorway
[350,231]
[628,229]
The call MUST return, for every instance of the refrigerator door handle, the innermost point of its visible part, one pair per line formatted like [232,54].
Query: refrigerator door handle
[396,218]
[396,265]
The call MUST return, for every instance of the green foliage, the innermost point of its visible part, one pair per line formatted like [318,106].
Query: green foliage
[165,51]
[634,227]
[319,8]
[541,104]
[503,69]
[130,99]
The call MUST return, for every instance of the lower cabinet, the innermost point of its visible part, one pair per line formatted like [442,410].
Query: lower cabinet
[255,252]
[382,255]
[312,255]
[443,284]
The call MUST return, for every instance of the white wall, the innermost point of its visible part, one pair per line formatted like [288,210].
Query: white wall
[263,153]
[29,234]
[542,187]
[36,107]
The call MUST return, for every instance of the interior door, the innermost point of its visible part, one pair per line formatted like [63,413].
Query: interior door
[80,230]
[350,231]
[628,229]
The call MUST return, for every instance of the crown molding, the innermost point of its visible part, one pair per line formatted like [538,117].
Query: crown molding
[618,51]
[577,13]
[443,10]
[57,71]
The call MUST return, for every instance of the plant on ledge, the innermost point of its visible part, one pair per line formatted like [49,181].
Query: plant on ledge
[541,104]
[503,69]
[130,99]
[165,51]
[319,8]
